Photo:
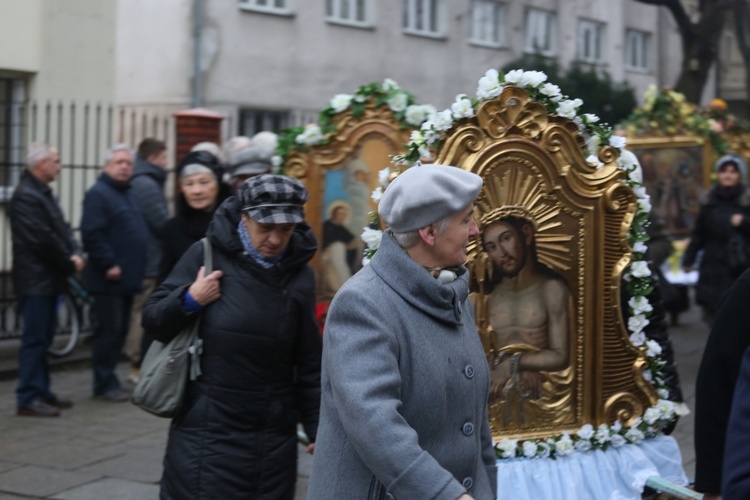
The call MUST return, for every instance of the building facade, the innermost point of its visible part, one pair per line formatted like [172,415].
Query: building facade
[267,64]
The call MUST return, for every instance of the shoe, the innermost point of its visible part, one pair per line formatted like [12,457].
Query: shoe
[118,395]
[38,409]
[58,402]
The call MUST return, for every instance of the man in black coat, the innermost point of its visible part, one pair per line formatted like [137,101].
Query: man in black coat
[115,237]
[44,255]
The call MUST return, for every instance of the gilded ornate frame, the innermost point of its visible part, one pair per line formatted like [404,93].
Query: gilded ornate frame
[311,165]
[583,213]
[674,147]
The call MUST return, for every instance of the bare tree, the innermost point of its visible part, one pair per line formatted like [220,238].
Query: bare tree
[700,41]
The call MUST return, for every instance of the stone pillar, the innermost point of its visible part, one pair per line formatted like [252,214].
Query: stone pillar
[193,126]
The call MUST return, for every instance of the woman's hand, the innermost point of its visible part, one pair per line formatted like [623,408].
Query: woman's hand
[206,289]
[736,220]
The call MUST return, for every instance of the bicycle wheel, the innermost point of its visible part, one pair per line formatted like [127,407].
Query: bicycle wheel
[68,327]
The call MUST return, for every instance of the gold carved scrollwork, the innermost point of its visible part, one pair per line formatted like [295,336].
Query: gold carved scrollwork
[577,215]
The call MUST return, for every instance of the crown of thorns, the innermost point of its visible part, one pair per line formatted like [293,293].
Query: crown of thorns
[506,211]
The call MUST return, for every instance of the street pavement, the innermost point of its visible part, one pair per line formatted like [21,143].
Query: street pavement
[108,450]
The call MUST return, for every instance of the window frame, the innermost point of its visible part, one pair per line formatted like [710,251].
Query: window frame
[499,24]
[641,39]
[410,22]
[338,5]
[266,117]
[550,24]
[252,6]
[13,128]
[598,29]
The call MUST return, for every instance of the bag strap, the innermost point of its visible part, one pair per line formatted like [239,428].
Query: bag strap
[208,257]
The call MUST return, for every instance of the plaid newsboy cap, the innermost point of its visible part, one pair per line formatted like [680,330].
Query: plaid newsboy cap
[273,199]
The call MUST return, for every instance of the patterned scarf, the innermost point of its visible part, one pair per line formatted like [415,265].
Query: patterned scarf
[264,262]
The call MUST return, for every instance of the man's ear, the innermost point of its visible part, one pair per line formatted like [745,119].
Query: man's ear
[428,235]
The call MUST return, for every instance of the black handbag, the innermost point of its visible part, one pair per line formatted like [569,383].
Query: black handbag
[737,257]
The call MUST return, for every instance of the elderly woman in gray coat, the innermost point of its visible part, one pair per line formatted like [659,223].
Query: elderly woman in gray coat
[404,378]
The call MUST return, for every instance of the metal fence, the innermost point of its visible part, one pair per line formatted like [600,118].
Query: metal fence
[81,132]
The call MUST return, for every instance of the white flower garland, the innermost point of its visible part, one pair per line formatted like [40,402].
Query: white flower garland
[637,276]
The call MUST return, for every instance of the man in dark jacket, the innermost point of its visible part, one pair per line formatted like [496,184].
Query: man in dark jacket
[147,183]
[115,236]
[44,255]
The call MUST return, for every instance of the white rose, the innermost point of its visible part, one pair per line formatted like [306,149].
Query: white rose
[639,269]
[514,77]
[637,323]
[586,432]
[617,426]
[533,78]
[429,111]
[564,446]
[653,348]
[340,102]
[651,415]
[666,408]
[640,305]
[507,447]
[583,446]
[545,450]
[360,98]
[636,174]
[311,135]
[568,108]
[663,393]
[592,144]
[425,153]
[415,115]
[644,204]
[443,120]
[529,449]
[377,193]
[462,107]
[552,91]
[389,84]
[618,440]
[640,247]
[365,261]
[648,376]
[372,237]
[384,175]
[276,160]
[617,141]
[430,137]
[416,137]
[634,435]
[489,85]
[591,118]
[398,102]
[602,434]
[638,338]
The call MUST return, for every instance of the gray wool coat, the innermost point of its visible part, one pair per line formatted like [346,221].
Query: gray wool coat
[404,389]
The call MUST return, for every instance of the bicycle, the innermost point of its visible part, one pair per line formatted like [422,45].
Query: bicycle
[73,318]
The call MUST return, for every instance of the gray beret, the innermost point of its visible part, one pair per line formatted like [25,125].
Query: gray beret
[425,194]
[251,161]
[732,158]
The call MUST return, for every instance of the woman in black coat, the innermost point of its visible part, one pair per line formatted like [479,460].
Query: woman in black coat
[201,192]
[725,212]
[236,436]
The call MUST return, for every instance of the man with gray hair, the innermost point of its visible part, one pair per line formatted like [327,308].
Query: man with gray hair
[405,381]
[115,235]
[44,256]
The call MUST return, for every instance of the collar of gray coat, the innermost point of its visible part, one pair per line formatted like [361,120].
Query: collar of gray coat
[413,283]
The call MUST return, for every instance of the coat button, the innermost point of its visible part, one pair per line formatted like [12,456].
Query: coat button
[468,483]
[469,371]
[468,429]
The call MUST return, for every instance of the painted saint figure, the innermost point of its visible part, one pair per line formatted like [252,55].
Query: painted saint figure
[529,310]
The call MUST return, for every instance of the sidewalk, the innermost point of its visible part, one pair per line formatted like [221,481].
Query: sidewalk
[93,451]
[102,450]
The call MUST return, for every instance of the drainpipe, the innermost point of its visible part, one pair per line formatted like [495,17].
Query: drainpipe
[197,74]
[662,49]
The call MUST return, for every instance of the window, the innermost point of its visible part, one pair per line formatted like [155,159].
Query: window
[423,17]
[270,6]
[540,32]
[590,41]
[253,121]
[12,95]
[636,50]
[354,12]
[488,23]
